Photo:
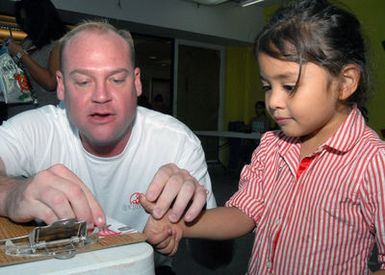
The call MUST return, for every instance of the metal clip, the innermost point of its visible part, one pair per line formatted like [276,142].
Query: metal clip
[60,240]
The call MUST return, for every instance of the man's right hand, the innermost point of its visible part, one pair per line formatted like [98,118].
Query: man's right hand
[163,235]
[52,194]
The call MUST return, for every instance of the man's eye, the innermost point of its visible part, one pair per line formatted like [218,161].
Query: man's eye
[118,80]
[81,83]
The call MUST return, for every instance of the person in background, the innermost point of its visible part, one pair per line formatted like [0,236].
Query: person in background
[3,112]
[144,102]
[92,159]
[158,104]
[38,53]
[260,123]
[314,192]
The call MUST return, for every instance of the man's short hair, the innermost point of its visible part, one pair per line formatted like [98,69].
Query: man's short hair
[96,26]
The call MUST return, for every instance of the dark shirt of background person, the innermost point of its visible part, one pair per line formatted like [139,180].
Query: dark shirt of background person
[38,52]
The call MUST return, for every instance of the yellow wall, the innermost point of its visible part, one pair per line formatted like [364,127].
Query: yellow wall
[242,86]
[371,13]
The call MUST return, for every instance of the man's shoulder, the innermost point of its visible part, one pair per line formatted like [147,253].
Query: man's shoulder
[165,129]
[42,117]
[153,120]
[50,111]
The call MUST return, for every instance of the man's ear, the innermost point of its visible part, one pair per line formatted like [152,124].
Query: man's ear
[137,82]
[60,85]
[350,78]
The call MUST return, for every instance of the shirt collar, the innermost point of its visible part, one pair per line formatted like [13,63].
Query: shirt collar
[342,141]
[348,133]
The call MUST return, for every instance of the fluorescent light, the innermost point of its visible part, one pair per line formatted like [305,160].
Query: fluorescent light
[210,2]
[250,2]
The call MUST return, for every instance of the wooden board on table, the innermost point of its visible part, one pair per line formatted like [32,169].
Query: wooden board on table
[8,230]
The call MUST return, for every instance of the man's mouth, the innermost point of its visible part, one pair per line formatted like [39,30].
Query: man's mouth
[101,117]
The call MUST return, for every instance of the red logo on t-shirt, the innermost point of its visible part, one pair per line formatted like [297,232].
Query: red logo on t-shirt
[134,199]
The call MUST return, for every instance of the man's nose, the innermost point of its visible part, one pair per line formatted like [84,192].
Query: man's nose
[101,93]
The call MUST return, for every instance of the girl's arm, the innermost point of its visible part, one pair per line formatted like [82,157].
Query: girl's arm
[219,224]
[215,224]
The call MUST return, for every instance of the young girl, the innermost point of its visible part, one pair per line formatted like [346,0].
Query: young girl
[314,192]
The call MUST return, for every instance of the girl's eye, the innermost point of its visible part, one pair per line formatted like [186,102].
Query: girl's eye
[289,88]
[266,88]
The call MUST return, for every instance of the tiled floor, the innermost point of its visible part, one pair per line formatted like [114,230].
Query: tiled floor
[224,185]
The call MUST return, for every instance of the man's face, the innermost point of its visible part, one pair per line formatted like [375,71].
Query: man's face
[99,87]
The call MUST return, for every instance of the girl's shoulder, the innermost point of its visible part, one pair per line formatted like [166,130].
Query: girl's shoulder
[370,140]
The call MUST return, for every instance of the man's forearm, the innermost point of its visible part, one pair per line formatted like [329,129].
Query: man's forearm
[7,186]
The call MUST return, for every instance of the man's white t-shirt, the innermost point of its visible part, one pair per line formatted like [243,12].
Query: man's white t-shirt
[37,139]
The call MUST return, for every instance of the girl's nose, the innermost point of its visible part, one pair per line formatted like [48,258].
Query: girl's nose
[275,99]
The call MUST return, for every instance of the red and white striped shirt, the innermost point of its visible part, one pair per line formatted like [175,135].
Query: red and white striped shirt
[326,220]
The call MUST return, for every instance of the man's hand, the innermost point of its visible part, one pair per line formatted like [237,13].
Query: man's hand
[162,234]
[52,194]
[175,189]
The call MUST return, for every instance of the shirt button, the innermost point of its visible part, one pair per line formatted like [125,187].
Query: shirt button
[268,264]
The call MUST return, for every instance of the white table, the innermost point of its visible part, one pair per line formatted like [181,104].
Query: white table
[134,258]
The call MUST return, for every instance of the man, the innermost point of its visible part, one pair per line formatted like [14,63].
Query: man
[93,158]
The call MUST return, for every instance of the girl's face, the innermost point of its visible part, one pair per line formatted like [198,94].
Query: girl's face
[314,110]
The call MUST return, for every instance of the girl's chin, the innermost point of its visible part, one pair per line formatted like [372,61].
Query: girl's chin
[291,133]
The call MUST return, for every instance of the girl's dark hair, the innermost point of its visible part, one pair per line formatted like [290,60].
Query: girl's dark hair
[40,21]
[318,32]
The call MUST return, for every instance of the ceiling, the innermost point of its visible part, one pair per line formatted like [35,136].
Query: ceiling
[217,2]
[208,2]
[152,52]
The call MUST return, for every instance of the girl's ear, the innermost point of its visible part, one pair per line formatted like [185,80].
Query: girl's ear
[350,77]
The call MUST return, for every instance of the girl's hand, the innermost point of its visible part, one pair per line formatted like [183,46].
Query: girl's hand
[162,234]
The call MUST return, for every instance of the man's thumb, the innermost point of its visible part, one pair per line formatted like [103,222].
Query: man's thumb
[146,204]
